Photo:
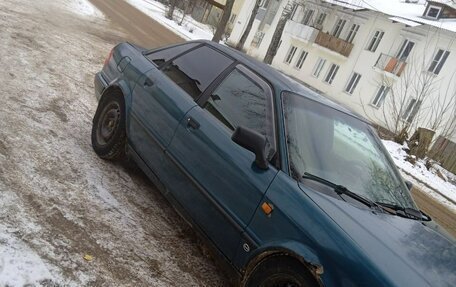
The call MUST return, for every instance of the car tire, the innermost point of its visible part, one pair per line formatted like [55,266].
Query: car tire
[280,271]
[108,129]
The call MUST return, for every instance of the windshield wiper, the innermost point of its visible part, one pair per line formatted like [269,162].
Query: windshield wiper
[403,211]
[340,189]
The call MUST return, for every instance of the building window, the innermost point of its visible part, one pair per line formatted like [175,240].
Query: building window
[293,11]
[264,3]
[301,59]
[352,83]
[439,60]
[290,54]
[307,18]
[331,73]
[405,50]
[320,20]
[380,96]
[411,110]
[338,27]
[257,39]
[433,11]
[375,41]
[318,67]
[352,33]
[232,18]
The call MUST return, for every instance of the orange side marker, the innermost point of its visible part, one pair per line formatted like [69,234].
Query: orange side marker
[267,208]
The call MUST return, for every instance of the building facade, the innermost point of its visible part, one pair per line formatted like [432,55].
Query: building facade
[390,61]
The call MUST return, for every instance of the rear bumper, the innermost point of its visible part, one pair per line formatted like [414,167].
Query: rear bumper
[100,85]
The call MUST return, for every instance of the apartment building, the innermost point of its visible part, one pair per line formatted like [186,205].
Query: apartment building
[211,11]
[384,59]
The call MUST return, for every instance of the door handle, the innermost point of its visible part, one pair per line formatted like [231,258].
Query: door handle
[148,83]
[192,123]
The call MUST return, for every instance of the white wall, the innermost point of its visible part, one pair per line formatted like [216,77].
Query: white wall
[428,40]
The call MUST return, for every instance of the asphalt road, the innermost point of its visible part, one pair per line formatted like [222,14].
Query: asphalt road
[442,215]
[59,202]
[139,27]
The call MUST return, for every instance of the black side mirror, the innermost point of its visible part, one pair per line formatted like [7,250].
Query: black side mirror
[409,185]
[254,142]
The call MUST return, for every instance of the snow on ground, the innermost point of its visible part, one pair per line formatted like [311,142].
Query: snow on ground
[429,181]
[85,8]
[16,258]
[190,28]
[58,200]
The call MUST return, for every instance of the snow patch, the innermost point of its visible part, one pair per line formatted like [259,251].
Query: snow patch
[190,28]
[420,173]
[19,265]
[85,8]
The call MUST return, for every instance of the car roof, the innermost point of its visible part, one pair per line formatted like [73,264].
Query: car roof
[284,82]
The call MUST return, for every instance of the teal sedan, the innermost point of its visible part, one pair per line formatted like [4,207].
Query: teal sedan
[289,188]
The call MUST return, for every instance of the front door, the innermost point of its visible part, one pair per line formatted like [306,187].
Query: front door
[229,186]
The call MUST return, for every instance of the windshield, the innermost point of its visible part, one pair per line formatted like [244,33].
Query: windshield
[342,149]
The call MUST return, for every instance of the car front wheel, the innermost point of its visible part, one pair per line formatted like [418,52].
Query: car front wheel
[280,271]
[108,129]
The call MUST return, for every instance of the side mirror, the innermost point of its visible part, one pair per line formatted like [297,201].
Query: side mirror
[254,142]
[409,185]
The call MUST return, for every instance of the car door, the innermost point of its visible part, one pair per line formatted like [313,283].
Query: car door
[229,186]
[162,97]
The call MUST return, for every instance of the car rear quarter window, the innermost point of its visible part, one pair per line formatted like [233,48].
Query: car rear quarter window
[243,100]
[164,55]
[196,70]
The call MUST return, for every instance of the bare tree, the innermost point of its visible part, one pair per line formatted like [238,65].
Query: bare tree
[418,100]
[274,45]
[171,8]
[441,114]
[402,107]
[221,26]
[240,44]
[188,9]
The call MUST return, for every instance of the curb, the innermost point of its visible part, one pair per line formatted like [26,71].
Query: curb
[430,187]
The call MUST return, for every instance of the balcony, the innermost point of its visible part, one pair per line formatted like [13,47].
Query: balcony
[390,65]
[300,31]
[334,44]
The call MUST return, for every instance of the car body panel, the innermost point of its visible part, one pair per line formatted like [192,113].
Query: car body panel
[210,156]
[219,187]
[410,252]
[156,111]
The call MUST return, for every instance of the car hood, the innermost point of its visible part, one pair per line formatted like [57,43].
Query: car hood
[407,252]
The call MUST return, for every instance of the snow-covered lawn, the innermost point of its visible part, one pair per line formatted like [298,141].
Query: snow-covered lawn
[190,28]
[427,180]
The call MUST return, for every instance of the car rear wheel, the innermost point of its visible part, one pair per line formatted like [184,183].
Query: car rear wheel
[280,271]
[108,129]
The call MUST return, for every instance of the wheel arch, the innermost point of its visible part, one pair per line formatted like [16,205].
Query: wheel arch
[119,86]
[124,90]
[295,250]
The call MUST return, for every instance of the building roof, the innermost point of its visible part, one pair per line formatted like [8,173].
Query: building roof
[451,3]
[407,13]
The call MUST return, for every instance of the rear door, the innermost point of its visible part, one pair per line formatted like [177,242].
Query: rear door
[228,186]
[163,96]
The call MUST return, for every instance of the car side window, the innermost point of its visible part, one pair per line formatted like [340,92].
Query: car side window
[243,99]
[164,55]
[197,69]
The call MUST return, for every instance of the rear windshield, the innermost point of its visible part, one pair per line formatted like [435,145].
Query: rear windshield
[164,55]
